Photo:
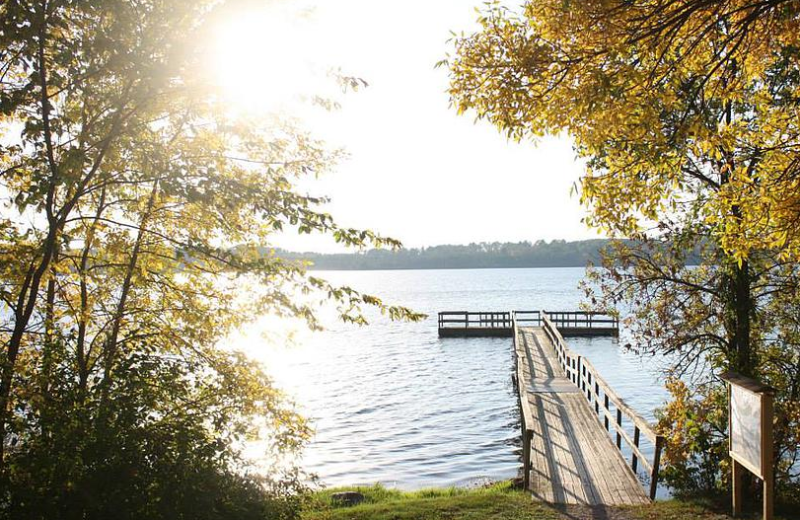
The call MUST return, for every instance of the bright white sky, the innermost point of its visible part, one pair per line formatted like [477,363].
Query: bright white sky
[416,171]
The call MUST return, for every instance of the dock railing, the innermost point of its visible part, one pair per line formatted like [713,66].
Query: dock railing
[527,318]
[572,323]
[601,396]
[526,418]
[498,323]
[466,320]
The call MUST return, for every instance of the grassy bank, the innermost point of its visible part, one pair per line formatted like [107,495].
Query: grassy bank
[498,502]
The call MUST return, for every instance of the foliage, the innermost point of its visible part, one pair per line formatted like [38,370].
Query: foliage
[686,115]
[684,313]
[664,99]
[696,453]
[166,450]
[125,184]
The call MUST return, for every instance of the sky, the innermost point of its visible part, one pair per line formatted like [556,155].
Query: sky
[414,170]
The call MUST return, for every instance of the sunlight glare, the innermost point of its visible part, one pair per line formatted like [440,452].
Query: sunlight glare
[264,60]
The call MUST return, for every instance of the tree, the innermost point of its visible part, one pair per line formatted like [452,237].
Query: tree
[683,312]
[686,115]
[686,82]
[126,185]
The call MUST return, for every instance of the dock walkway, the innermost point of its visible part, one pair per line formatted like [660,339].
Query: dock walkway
[572,458]
[577,433]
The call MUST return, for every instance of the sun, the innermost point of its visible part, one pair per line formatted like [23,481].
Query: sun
[266,60]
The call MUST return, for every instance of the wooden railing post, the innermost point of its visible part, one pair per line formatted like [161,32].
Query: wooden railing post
[656,463]
[605,415]
[583,377]
[619,423]
[634,460]
[527,436]
[596,397]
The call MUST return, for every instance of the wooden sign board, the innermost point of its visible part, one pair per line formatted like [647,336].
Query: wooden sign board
[746,427]
[750,430]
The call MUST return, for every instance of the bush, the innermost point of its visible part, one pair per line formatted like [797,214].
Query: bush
[164,444]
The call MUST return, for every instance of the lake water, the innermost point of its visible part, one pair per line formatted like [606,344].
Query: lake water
[393,403]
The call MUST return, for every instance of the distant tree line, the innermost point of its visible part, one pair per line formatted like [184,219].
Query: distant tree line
[557,253]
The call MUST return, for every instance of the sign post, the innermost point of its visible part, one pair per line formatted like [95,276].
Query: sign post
[750,428]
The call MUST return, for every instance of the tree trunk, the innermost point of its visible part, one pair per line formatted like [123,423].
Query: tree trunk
[742,309]
[82,355]
[49,345]
[110,348]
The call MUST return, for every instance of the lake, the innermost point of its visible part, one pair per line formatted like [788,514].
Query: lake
[393,403]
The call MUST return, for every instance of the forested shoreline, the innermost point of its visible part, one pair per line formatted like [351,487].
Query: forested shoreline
[484,255]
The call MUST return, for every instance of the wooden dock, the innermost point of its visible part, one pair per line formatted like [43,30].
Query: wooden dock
[573,424]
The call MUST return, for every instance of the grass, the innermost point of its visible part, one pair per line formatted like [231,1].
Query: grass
[497,502]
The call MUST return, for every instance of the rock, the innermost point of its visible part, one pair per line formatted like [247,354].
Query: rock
[347,498]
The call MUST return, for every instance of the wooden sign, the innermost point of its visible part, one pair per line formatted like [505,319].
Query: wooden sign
[745,444]
[750,429]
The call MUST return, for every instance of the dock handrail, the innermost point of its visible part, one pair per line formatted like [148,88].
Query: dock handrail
[531,318]
[582,319]
[525,413]
[466,319]
[498,323]
[585,376]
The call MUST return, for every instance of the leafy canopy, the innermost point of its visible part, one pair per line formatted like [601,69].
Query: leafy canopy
[659,97]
